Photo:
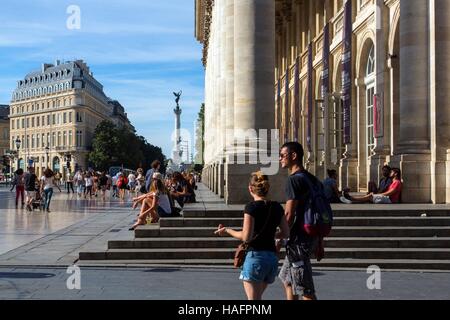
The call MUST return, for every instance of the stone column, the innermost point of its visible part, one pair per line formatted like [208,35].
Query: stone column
[222,92]
[414,139]
[440,97]
[229,76]
[254,62]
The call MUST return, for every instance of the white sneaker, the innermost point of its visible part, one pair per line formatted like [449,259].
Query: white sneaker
[345,200]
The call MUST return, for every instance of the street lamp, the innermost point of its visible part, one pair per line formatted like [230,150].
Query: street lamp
[18,142]
[47,150]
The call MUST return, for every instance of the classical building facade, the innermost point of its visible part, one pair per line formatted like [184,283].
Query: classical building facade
[360,83]
[54,113]
[4,133]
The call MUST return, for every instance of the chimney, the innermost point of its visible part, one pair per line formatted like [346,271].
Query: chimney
[57,62]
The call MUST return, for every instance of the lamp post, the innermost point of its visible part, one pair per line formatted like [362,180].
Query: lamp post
[47,150]
[18,142]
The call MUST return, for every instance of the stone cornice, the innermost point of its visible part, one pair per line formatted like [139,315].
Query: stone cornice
[203,15]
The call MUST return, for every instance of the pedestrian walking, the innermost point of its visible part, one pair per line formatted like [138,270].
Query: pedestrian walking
[19,184]
[47,184]
[262,217]
[70,179]
[296,272]
[30,180]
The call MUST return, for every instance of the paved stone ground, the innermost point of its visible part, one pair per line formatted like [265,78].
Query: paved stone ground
[208,284]
[54,239]
[36,248]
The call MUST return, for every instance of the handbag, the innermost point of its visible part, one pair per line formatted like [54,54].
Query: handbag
[241,250]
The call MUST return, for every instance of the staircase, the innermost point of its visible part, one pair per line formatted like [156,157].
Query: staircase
[389,237]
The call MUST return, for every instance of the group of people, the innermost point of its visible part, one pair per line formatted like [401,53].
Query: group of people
[36,190]
[388,191]
[161,193]
[267,226]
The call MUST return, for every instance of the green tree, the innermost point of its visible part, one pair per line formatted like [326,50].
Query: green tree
[113,146]
[105,145]
[200,133]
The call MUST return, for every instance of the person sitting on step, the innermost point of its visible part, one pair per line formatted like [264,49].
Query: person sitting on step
[392,195]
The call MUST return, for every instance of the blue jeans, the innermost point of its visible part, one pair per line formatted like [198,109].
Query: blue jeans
[260,266]
[48,198]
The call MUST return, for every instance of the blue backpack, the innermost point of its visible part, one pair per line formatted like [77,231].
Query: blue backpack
[318,217]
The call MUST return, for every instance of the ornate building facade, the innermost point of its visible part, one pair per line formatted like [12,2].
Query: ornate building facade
[4,133]
[54,113]
[360,83]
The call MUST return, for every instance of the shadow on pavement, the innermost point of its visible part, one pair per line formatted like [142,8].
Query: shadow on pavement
[25,275]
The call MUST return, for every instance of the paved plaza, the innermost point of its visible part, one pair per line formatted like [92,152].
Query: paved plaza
[37,248]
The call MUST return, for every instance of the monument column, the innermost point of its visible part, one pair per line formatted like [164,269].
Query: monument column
[414,138]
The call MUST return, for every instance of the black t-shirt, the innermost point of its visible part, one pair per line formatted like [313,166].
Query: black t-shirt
[30,182]
[298,189]
[259,210]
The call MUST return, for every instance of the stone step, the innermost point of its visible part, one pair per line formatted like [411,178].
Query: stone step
[228,253]
[369,212]
[214,242]
[152,231]
[339,264]
[338,221]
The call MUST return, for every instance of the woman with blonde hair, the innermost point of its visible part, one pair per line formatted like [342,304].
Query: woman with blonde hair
[262,218]
[150,203]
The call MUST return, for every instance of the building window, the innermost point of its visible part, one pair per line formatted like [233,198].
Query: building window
[64,118]
[12,124]
[38,121]
[64,138]
[59,139]
[54,119]
[370,93]
[43,141]
[79,138]
[70,117]
[70,138]
[32,122]
[53,139]
[79,118]
[38,140]
[18,124]
[32,141]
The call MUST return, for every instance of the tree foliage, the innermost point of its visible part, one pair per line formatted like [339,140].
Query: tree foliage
[114,146]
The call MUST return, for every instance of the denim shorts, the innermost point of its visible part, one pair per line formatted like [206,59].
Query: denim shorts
[260,266]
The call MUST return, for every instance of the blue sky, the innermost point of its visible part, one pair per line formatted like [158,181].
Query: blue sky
[140,50]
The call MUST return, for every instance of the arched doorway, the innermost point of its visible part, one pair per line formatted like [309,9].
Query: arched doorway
[56,165]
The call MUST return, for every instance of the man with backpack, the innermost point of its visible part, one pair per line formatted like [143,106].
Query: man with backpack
[309,216]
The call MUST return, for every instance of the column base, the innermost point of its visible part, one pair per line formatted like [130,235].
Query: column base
[220,179]
[348,174]
[416,176]
[237,180]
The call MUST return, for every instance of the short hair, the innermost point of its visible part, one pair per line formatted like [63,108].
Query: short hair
[387,167]
[156,164]
[295,147]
